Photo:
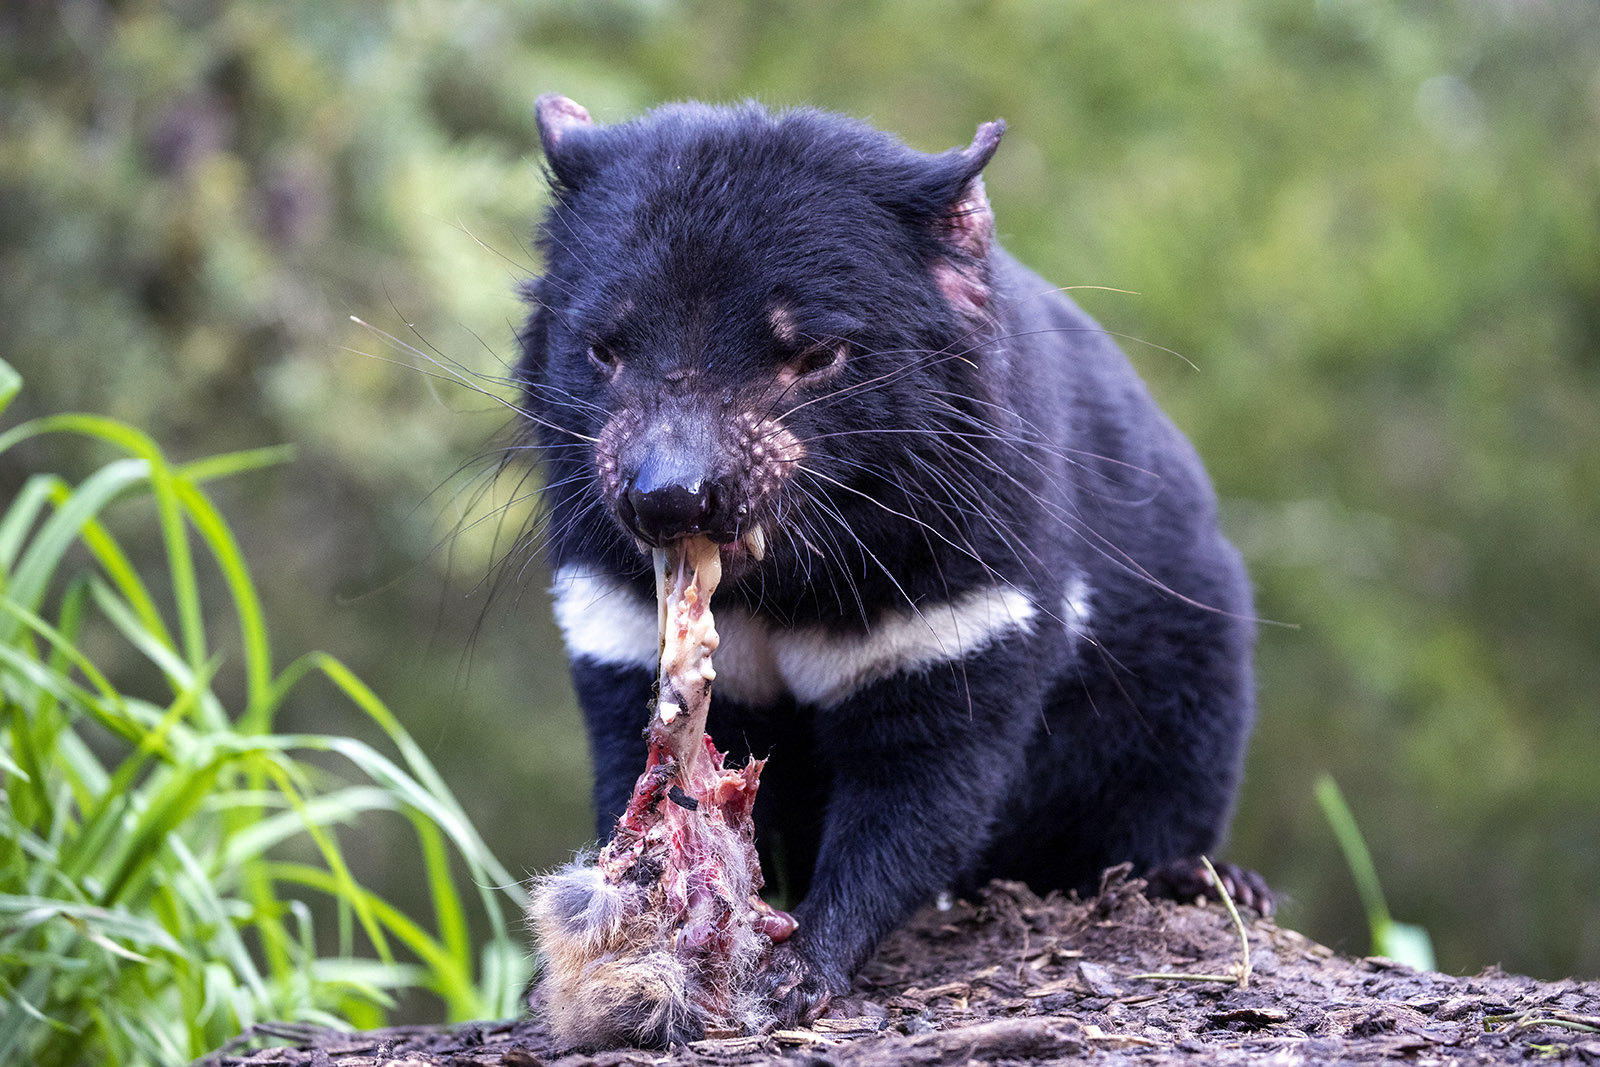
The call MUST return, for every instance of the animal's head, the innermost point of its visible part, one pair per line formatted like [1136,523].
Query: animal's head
[744,317]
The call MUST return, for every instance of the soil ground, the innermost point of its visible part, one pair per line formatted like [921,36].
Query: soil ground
[1009,978]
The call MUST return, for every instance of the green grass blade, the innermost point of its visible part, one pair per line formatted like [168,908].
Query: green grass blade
[29,768]
[102,820]
[247,603]
[21,1010]
[441,804]
[25,912]
[28,669]
[62,645]
[448,915]
[180,560]
[21,515]
[348,889]
[170,807]
[201,895]
[11,768]
[1404,942]
[446,976]
[116,566]
[181,676]
[229,464]
[10,384]
[1356,857]
[341,806]
[60,531]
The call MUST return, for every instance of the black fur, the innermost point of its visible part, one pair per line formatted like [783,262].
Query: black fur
[980,432]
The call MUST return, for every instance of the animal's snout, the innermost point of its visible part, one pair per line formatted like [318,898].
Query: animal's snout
[672,483]
[671,469]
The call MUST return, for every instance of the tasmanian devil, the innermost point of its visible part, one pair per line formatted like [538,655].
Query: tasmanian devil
[975,607]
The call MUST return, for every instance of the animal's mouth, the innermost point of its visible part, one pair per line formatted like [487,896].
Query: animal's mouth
[744,553]
[740,553]
[751,544]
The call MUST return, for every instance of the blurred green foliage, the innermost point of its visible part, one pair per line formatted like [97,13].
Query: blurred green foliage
[1361,241]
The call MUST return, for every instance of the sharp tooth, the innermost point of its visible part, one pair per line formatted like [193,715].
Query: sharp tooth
[755,539]
[658,556]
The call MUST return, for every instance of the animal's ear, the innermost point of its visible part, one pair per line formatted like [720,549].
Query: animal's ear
[968,222]
[566,134]
[964,223]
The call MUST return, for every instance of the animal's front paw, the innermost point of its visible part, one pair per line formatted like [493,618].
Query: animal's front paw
[1187,879]
[796,989]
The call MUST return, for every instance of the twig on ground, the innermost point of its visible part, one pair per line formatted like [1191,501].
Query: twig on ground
[1240,975]
[1238,923]
[1527,1020]
[1225,979]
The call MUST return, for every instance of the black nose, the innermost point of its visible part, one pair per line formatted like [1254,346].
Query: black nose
[667,500]
[669,511]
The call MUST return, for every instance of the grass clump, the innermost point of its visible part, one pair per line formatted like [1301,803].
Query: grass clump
[161,851]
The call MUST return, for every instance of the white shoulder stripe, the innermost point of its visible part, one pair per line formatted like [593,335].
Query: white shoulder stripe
[604,621]
[823,667]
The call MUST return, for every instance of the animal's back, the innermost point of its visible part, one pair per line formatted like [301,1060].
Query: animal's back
[1140,741]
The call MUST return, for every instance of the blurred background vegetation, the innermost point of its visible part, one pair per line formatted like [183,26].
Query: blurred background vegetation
[1370,231]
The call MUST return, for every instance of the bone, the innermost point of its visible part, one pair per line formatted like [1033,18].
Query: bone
[687,574]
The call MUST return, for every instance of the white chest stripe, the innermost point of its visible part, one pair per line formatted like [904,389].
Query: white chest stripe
[756,662]
[603,620]
[823,668]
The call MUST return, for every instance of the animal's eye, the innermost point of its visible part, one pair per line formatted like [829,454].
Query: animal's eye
[602,356]
[819,357]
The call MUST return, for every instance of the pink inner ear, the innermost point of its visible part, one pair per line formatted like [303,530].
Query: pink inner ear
[968,229]
[970,223]
[962,287]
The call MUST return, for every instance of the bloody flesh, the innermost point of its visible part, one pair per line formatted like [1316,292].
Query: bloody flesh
[664,935]
[687,808]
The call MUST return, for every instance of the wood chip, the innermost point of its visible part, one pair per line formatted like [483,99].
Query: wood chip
[859,1025]
[1050,989]
[1102,1039]
[801,1037]
[729,1045]
[1250,1016]
[1097,979]
[949,989]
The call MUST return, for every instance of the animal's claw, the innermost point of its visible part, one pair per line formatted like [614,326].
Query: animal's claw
[797,990]
[1188,879]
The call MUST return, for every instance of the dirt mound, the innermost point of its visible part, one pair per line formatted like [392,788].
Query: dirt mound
[1008,977]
